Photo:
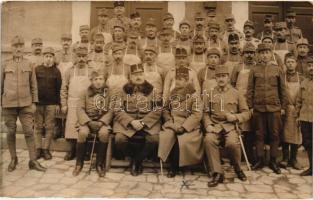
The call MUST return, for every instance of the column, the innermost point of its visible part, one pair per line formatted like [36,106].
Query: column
[81,11]
[177,8]
[240,10]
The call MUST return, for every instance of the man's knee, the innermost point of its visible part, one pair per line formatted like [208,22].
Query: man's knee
[120,138]
[153,139]
[83,134]
[104,134]
[210,139]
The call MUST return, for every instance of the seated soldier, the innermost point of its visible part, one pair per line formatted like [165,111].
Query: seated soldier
[94,116]
[137,121]
[181,139]
[226,107]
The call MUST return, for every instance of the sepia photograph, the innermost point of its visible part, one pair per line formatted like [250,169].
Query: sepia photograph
[156,99]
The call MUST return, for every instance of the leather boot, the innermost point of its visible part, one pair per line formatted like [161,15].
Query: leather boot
[80,152]
[285,151]
[34,164]
[273,166]
[217,178]
[70,155]
[100,159]
[293,157]
[174,161]
[46,154]
[259,164]
[308,172]
[39,153]
[12,165]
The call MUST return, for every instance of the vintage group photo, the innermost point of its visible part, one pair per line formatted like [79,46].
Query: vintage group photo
[156,99]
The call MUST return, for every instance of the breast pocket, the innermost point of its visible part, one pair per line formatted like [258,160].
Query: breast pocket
[10,79]
[231,105]
[26,73]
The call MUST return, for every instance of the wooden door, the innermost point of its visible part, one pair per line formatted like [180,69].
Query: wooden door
[155,9]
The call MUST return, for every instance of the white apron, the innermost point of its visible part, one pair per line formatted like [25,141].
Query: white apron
[155,79]
[219,46]
[281,53]
[95,64]
[208,86]
[116,82]
[196,65]
[165,60]
[146,43]
[292,133]
[78,84]
[130,59]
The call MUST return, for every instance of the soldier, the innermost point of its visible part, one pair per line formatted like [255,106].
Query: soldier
[137,122]
[239,80]
[302,50]
[276,60]
[49,82]
[181,60]
[180,138]
[94,116]
[103,27]
[227,106]
[198,57]
[184,39]
[199,25]
[97,59]
[84,33]
[211,15]
[268,28]
[133,50]
[150,33]
[75,82]
[230,28]
[19,96]
[119,16]
[248,30]
[168,23]
[135,25]
[282,46]
[291,134]
[214,40]
[266,95]
[304,102]
[36,56]
[294,33]
[119,38]
[234,55]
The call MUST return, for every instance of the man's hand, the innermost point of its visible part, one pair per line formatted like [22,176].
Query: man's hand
[33,107]
[57,109]
[181,130]
[231,117]
[64,109]
[221,116]
[94,125]
[210,128]
[136,125]
[282,112]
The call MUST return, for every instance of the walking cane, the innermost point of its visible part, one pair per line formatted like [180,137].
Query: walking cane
[242,146]
[161,166]
[92,150]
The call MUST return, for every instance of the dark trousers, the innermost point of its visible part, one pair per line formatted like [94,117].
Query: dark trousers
[306,130]
[267,124]
[174,157]
[249,143]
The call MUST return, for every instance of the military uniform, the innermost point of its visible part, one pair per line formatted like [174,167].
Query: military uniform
[218,41]
[266,95]
[98,58]
[184,41]
[226,33]
[36,59]
[267,32]
[302,60]
[253,40]
[86,43]
[173,33]
[18,94]
[294,33]
[137,104]
[198,60]
[150,41]
[103,29]
[220,128]
[125,21]
[232,59]
[200,28]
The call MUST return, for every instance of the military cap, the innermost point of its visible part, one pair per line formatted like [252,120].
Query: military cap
[199,15]
[233,37]
[37,41]
[181,52]
[268,18]
[229,16]
[103,12]
[48,50]
[214,25]
[136,68]
[165,31]
[212,12]
[66,36]
[168,16]
[214,51]
[263,47]
[302,41]
[249,23]
[268,37]
[17,40]
[151,22]
[81,50]
[84,27]
[182,73]
[151,48]
[99,36]
[290,55]
[118,3]
[198,39]
[117,47]
[134,15]
[291,13]
[310,59]
[95,73]
[249,47]
[221,69]
[185,21]
[119,25]
[280,25]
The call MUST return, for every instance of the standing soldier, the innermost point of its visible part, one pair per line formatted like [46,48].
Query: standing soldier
[133,50]
[294,33]
[97,59]
[119,38]
[19,95]
[268,28]
[84,33]
[183,39]
[94,116]
[168,23]
[166,58]
[76,80]
[137,122]
[103,27]
[181,61]
[275,57]
[180,138]
[248,30]
[119,16]
[150,34]
[227,106]
[230,28]
[234,55]
[304,111]
[200,22]
[214,40]
[291,134]
[302,50]
[198,57]
[239,80]
[36,56]
[135,25]
[211,16]
[266,95]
